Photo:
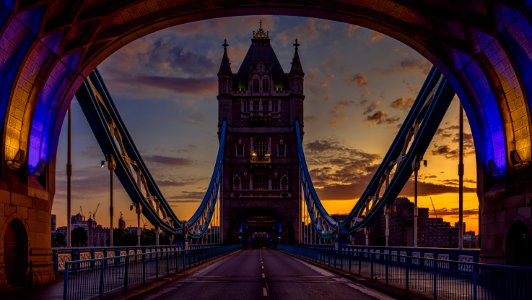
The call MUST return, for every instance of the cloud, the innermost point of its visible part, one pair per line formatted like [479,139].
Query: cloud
[334,164]
[380,117]
[359,79]
[402,103]
[448,139]
[195,86]
[371,107]
[416,65]
[176,183]
[443,212]
[187,197]
[376,36]
[340,107]
[167,160]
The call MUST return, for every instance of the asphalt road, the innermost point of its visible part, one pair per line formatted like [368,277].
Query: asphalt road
[263,274]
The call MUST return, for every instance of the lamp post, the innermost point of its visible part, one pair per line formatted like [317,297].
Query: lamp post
[461,180]
[416,169]
[69,177]
[111,167]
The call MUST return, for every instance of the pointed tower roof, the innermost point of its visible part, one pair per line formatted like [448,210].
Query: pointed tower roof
[260,50]
[296,69]
[225,66]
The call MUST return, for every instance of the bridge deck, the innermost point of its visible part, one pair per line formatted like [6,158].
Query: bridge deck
[240,276]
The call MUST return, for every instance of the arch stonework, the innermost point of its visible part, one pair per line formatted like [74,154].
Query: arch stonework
[49,46]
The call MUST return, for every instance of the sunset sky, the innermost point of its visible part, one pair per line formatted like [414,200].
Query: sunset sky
[359,85]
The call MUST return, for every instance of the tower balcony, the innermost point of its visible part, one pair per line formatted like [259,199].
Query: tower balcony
[256,159]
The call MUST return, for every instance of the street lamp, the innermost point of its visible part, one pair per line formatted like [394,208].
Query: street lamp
[416,166]
[109,159]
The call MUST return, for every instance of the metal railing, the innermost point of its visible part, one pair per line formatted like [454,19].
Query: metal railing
[96,278]
[427,276]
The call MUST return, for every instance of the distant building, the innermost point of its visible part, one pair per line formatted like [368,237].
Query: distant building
[432,232]
[54,222]
[121,222]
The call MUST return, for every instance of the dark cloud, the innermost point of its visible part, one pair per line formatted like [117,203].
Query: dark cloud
[202,86]
[443,212]
[168,160]
[402,103]
[371,107]
[450,136]
[340,172]
[359,79]
[175,183]
[432,188]
[335,165]
[380,117]
[187,197]
[165,55]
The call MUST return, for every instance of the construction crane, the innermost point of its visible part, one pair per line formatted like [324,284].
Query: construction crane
[95,211]
[433,207]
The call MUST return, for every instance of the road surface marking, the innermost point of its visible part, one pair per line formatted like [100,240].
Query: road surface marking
[264,292]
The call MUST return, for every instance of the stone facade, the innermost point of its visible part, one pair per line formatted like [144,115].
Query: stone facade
[27,204]
[260,191]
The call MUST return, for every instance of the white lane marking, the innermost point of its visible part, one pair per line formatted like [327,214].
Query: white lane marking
[262,267]
[350,284]
[264,292]
[263,275]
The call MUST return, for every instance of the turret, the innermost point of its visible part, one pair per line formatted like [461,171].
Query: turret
[296,73]
[225,75]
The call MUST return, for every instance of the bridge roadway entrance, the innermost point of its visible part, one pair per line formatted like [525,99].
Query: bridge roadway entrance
[263,274]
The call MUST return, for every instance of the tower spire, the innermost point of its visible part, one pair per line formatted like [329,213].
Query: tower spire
[261,34]
[296,69]
[225,66]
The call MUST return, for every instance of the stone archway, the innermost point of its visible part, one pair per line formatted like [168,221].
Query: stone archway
[518,246]
[262,227]
[16,253]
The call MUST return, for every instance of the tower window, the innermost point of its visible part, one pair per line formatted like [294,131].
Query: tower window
[239,150]
[284,182]
[236,183]
[261,147]
[260,182]
[275,106]
[245,106]
[265,85]
[255,85]
[281,148]
[256,105]
[265,106]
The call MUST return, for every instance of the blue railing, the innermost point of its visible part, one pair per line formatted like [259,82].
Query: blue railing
[425,275]
[96,278]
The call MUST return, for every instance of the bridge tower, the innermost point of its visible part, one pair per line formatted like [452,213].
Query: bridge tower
[261,187]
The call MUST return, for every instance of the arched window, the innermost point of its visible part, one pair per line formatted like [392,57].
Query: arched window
[265,106]
[284,182]
[261,147]
[239,149]
[237,184]
[265,85]
[281,148]
[255,85]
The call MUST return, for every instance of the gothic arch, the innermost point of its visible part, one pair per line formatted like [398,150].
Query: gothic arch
[15,243]
[518,242]
[482,48]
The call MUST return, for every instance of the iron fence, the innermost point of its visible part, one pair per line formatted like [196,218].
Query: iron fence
[433,276]
[99,277]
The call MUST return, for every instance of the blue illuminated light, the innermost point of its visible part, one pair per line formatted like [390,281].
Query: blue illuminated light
[494,129]
[46,110]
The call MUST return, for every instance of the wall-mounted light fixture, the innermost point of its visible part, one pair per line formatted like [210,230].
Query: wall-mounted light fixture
[17,161]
